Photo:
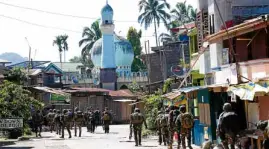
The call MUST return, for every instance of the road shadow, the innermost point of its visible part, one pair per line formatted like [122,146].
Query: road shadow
[16,147]
[148,146]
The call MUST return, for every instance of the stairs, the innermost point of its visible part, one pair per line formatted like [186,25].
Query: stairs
[202,21]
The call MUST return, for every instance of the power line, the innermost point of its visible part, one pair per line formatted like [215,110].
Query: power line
[56,13]
[45,26]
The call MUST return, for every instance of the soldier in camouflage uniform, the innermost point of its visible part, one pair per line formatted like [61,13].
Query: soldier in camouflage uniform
[164,127]
[50,116]
[136,121]
[106,117]
[172,125]
[264,126]
[185,123]
[38,121]
[57,122]
[66,120]
[158,126]
[86,117]
[79,120]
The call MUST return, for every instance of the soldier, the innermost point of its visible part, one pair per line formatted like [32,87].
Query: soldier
[50,116]
[66,120]
[86,117]
[136,121]
[79,120]
[92,121]
[97,115]
[158,126]
[226,127]
[264,126]
[38,121]
[106,120]
[164,127]
[185,123]
[57,122]
[172,125]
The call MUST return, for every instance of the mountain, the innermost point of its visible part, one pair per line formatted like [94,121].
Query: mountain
[12,57]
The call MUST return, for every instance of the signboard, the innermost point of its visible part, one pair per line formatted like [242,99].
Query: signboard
[11,123]
[56,99]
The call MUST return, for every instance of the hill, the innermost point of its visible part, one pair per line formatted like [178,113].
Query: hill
[12,57]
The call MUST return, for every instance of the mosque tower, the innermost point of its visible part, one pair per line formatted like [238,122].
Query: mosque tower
[108,76]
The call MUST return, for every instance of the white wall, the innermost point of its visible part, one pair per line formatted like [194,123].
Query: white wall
[216,54]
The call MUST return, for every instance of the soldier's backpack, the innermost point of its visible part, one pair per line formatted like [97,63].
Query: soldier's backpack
[106,117]
[229,119]
[137,118]
[51,116]
[38,118]
[68,117]
[186,120]
[164,121]
[79,116]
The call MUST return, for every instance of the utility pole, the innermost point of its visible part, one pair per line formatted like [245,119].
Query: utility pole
[148,64]
[29,61]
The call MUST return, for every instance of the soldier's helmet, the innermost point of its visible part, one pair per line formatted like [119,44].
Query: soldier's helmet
[227,107]
[172,107]
[54,110]
[182,109]
[76,109]
[137,110]
[50,110]
[167,110]
[65,111]
[159,112]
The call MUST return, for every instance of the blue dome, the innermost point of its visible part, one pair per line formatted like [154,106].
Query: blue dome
[124,54]
[107,8]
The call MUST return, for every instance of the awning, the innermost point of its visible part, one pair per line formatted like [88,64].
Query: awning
[237,30]
[248,91]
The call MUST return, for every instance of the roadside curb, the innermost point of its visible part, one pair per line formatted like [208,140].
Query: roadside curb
[7,142]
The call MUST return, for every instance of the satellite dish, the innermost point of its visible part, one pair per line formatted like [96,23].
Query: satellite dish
[96,76]
[179,71]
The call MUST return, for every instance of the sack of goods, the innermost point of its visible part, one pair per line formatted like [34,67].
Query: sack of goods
[106,117]
[186,120]
[137,118]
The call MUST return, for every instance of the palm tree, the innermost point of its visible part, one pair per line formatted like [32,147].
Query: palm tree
[184,13]
[58,43]
[90,36]
[153,11]
[64,44]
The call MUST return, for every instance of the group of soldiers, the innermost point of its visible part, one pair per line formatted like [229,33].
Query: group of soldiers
[174,121]
[67,119]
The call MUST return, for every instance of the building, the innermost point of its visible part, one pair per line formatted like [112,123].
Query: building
[3,68]
[112,57]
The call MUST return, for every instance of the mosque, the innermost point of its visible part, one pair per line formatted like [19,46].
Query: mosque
[111,55]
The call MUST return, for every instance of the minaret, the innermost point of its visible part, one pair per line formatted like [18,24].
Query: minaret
[108,77]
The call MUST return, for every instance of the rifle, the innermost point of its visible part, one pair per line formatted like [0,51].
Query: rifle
[131,132]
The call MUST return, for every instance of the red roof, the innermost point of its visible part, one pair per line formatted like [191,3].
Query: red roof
[183,27]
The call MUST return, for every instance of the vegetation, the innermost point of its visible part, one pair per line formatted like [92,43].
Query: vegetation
[167,85]
[78,59]
[153,11]
[61,42]
[16,75]
[134,87]
[89,37]
[134,37]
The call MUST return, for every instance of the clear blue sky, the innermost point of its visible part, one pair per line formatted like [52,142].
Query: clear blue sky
[13,33]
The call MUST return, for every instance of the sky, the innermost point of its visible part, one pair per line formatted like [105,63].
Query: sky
[13,32]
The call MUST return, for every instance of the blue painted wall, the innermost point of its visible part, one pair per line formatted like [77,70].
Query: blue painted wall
[108,52]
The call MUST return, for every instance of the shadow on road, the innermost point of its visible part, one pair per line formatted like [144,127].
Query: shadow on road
[16,147]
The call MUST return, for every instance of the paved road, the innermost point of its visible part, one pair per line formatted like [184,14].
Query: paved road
[117,139]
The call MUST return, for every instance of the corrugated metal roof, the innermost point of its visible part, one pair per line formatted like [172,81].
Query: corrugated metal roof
[68,67]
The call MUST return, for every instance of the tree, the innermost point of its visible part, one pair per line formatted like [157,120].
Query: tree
[78,59]
[183,13]
[58,43]
[16,75]
[134,37]
[89,37]
[153,11]
[64,44]
[75,59]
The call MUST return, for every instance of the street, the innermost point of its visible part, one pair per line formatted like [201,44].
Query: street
[117,139]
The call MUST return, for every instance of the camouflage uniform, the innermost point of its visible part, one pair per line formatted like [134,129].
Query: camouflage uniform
[38,121]
[164,128]
[50,116]
[184,132]
[91,117]
[106,123]
[172,126]
[264,126]
[67,121]
[158,126]
[97,117]
[57,122]
[79,120]
[136,121]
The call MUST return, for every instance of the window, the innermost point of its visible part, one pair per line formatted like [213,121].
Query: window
[204,111]
[106,21]
[212,24]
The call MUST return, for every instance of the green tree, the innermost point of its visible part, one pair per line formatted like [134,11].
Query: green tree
[16,75]
[153,11]
[78,59]
[134,37]
[64,44]
[89,37]
[183,13]
[58,43]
